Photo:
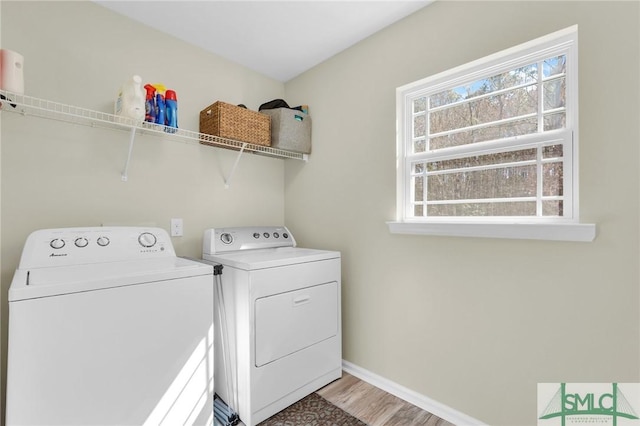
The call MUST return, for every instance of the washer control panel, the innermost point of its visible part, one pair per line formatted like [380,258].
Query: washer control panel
[223,240]
[76,246]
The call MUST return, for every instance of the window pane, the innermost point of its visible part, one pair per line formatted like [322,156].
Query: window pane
[553,151]
[418,188]
[485,110]
[552,179]
[444,98]
[419,145]
[554,93]
[420,104]
[555,65]
[418,210]
[525,75]
[502,182]
[419,125]
[525,208]
[516,128]
[552,208]
[555,121]
[418,168]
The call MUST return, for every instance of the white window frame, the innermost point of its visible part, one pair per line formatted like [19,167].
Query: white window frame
[567,228]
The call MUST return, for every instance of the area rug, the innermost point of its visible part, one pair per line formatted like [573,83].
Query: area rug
[312,410]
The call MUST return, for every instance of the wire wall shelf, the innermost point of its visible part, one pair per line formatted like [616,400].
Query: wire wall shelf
[28,105]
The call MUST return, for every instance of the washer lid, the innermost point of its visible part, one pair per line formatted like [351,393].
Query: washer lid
[249,260]
[54,281]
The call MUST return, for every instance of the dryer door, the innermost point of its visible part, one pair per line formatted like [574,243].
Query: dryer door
[291,321]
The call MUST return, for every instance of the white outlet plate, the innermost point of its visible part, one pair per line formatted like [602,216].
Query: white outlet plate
[176,227]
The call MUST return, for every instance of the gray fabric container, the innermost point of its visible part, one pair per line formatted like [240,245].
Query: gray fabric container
[290,129]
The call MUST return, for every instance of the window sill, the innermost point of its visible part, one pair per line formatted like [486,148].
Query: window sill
[584,232]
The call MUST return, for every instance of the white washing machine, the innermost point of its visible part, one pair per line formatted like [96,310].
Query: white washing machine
[282,306]
[108,327]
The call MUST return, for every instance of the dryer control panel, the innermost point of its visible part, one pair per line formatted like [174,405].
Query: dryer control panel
[78,246]
[224,240]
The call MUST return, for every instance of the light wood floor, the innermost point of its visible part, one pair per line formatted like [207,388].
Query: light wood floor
[374,406]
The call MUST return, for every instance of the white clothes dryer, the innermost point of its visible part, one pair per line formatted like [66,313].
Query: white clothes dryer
[108,327]
[282,311]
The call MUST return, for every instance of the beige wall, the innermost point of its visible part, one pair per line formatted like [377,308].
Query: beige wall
[57,174]
[477,323]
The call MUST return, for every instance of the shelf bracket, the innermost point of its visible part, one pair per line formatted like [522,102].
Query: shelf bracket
[126,165]
[227,181]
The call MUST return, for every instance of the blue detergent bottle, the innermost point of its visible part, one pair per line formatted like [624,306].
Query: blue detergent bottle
[160,110]
[171,101]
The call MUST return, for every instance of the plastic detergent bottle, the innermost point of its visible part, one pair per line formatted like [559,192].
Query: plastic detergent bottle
[160,88]
[160,104]
[160,109]
[171,101]
[130,100]
[150,104]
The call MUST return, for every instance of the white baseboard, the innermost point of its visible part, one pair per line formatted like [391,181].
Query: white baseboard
[434,407]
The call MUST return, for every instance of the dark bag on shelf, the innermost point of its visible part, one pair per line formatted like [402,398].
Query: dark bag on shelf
[279,103]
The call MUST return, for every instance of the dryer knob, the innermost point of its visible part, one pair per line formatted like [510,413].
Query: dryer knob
[147,239]
[226,238]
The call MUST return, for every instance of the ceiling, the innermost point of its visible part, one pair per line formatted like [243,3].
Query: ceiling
[280,39]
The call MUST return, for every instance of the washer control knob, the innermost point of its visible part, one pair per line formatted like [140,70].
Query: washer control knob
[81,242]
[256,235]
[147,239]
[103,241]
[266,235]
[226,238]
[285,235]
[57,244]
[276,235]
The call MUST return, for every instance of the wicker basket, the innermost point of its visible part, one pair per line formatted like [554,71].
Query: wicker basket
[237,123]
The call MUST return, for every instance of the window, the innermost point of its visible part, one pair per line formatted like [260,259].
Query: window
[493,141]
